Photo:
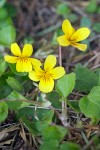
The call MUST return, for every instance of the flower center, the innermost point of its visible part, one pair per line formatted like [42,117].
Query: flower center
[23,59]
[46,75]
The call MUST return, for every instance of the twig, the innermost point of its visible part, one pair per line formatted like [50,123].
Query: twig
[48,30]
[94,67]
[44,108]
[89,143]
[23,100]
[94,57]
[84,137]
[78,94]
[94,38]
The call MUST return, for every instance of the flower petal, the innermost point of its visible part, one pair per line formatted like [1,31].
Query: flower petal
[67,28]
[35,76]
[24,65]
[10,59]
[15,49]
[50,62]
[80,34]
[79,46]
[35,62]
[62,40]
[27,50]
[46,85]
[57,72]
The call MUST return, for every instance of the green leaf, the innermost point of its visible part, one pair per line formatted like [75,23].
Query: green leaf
[96,27]
[65,85]
[7,35]
[98,11]
[54,133]
[2,67]
[90,104]
[85,79]
[30,125]
[3,111]
[14,102]
[45,121]
[26,112]
[86,22]
[5,23]
[41,126]
[15,105]
[69,146]
[3,13]
[49,145]
[42,114]
[59,32]
[96,141]
[74,104]
[54,41]
[28,40]
[73,17]
[92,6]
[13,69]
[2,2]
[5,90]
[15,95]
[11,9]
[98,73]
[14,84]
[45,115]
[54,98]
[63,9]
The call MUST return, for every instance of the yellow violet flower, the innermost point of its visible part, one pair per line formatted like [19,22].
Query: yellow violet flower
[22,60]
[72,36]
[47,75]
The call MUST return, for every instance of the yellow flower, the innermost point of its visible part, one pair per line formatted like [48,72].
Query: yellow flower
[22,60]
[72,36]
[47,75]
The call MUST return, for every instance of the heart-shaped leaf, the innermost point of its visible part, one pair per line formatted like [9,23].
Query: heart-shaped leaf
[90,104]
[65,85]
[85,79]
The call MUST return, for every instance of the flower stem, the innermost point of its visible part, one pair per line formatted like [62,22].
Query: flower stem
[64,116]
[60,56]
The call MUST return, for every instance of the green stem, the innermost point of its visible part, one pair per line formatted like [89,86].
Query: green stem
[64,109]
[64,116]
[60,56]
